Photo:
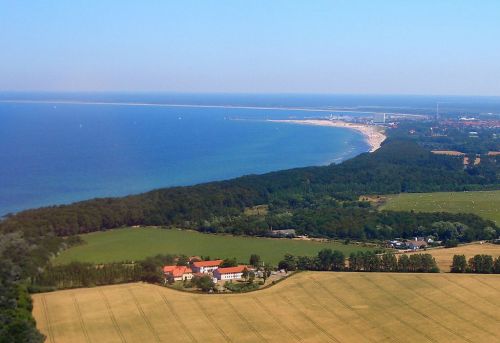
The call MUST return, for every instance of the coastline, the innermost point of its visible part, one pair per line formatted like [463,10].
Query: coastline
[153,104]
[374,135]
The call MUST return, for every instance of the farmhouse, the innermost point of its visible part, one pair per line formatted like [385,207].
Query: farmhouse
[230,273]
[415,244]
[205,266]
[178,273]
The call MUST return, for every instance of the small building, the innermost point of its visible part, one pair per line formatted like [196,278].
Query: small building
[178,273]
[283,233]
[229,273]
[205,266]
[396,244]
[415,244]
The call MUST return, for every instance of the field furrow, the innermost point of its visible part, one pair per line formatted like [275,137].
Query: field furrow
[308,307]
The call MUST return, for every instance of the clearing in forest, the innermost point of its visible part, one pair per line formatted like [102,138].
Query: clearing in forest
[485,204]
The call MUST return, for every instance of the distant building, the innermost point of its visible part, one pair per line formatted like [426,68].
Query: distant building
[396,244]
[415,244]
[229,273]
[379,118]
[178,273]
[205,266]
[283,233]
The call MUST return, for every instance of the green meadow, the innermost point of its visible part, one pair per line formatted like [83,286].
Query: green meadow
[134,244]
[484,204]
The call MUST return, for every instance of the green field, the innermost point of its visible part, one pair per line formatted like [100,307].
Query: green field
[308,307]
[138,243]
[484,204]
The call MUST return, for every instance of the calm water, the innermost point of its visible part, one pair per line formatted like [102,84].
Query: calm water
[53,154]
[61,153]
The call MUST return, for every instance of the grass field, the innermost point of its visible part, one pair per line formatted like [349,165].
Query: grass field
[308,307]
[138,243]
[485,204]
[444,257]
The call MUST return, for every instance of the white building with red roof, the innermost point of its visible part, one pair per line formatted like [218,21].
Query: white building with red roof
[178,273]
[229,273]
[205,266]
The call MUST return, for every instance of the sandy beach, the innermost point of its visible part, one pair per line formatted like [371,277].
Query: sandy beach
[374,135]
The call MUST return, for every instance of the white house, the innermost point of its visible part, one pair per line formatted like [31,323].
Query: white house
[229,273]
[205,266]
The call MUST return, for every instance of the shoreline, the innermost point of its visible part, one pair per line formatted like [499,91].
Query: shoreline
[152,104]
[374,135]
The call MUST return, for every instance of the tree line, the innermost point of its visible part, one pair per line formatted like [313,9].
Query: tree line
[398,166]
[369,261]
[84,274]
[479,264]
[320,201]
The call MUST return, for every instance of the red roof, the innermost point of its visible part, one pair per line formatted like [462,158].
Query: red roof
[237,269]
[177,271]
[214,263]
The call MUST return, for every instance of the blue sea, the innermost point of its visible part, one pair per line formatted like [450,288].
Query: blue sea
[57,153]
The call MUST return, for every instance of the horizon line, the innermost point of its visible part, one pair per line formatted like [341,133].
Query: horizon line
[241,93]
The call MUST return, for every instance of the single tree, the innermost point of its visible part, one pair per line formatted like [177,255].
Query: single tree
[183,260]
[459,264]
[255,260]
[229,262]
[245,274]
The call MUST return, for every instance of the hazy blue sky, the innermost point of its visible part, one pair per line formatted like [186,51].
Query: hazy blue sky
[351,46]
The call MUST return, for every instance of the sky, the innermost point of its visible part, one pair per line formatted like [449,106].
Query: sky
[448,47]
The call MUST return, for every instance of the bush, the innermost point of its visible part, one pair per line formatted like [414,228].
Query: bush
[459,264]
[241,287]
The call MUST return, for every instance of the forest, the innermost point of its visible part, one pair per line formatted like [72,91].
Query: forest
[319,201]
[398,166]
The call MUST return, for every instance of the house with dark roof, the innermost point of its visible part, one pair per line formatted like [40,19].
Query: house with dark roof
[416,244]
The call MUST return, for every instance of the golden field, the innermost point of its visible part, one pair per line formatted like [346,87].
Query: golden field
[308,307]
[444,256]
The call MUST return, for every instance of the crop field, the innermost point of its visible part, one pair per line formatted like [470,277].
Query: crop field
[484,204]
[308,307]
[444,257]
[138,243]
